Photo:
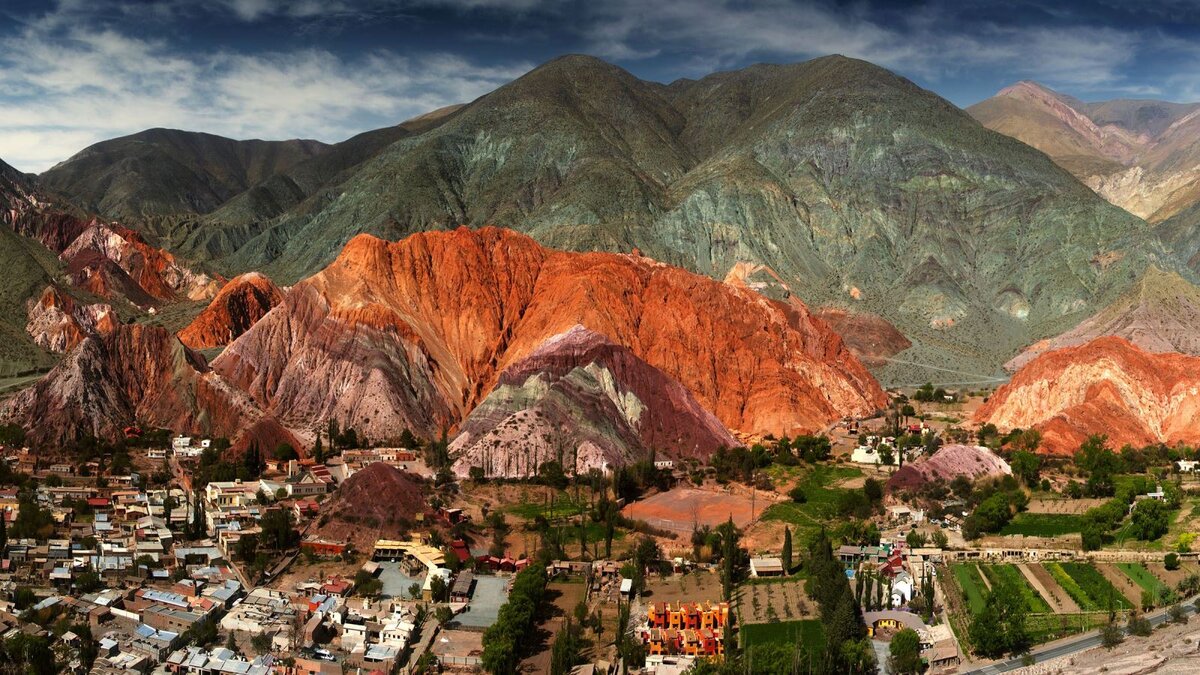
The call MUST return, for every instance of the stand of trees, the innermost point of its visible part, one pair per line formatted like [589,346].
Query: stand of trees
[1000,628]
[506,641]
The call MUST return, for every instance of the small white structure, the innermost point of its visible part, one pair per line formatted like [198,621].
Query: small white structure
[766,567]
[865,454]
[1187,465]
[902,589]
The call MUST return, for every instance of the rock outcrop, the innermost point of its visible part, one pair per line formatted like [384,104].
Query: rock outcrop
[948,463]
[1158,314]
[586,403]
[1107,386]
[134,374]
[869,336]
[380,501]
[415,334]
[239,305]
[57,322]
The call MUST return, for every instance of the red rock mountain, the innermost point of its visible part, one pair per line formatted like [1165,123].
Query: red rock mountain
[103,258]
[240,304]
[135,373]
[584,402]
[415,334]
[1107,386]
[57,322]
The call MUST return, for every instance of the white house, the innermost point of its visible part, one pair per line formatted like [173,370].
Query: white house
[902,589]
[1187,465]
[865,454]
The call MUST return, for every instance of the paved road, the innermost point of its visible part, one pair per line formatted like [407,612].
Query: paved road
[1068,647]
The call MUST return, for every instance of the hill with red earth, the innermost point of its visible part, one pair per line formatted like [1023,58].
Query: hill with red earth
[948,463]
[581,393]
[380,501]
[57,322]
[240,304]
[134,373]
[1107,386]
[414,334]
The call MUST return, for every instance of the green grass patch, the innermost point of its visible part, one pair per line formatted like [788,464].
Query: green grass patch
[564,506]
[809,632]
[973,588]
[1141,576]
[998,574]
[1087,587]
[822,504]
[1044,524]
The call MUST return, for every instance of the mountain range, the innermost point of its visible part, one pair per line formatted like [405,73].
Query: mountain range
[939,247]
[862,191]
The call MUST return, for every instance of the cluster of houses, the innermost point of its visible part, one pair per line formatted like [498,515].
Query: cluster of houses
[686,629]
[877,450]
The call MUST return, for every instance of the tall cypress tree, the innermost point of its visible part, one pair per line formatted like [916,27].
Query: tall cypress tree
[787,550]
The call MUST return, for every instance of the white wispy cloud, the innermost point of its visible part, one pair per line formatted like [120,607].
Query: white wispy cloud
[64,85]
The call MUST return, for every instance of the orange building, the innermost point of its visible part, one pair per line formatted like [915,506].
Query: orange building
[690,629]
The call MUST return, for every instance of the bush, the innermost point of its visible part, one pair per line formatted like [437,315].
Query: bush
[1171,561]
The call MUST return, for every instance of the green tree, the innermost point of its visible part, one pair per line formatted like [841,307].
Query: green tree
[1151,519]
[905,653]
[1111,635]
[1000,628]
[940,540]
[1027,466]
[1171,561]
[786,557]
[1093,536]
[285,452]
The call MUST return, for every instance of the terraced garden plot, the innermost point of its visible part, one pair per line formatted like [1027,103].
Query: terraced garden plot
[1087,587]
[1044,524]
[972,585]
[1122,582]
[997,574]
[1142,577]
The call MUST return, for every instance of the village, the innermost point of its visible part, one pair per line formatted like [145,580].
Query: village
[166,556]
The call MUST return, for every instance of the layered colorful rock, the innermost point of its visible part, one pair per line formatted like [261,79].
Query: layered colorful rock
[415,333]
[239,305]
[1158,314]
[57,323]
[109,260]
[135,374]
[586,403]
[869,336]
[1108,386]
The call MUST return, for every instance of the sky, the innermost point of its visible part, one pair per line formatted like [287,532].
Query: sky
[74,72]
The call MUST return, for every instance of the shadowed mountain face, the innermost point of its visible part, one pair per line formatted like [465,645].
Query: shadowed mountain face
[1140,155]
[161,172]
[860,189]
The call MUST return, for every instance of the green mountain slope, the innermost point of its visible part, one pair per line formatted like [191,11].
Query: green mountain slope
[161,172]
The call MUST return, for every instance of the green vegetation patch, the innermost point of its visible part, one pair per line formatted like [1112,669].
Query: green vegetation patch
[973,588]
[821,500]
[809,632]
[1087,587]
[1044,524]
[564,506]
[998,574]
[1141,576]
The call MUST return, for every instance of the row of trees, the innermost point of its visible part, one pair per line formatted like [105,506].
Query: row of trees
[506,640]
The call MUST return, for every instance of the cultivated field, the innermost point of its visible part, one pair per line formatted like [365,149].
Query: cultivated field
[1043,525]
[775,601]
[1087,586]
